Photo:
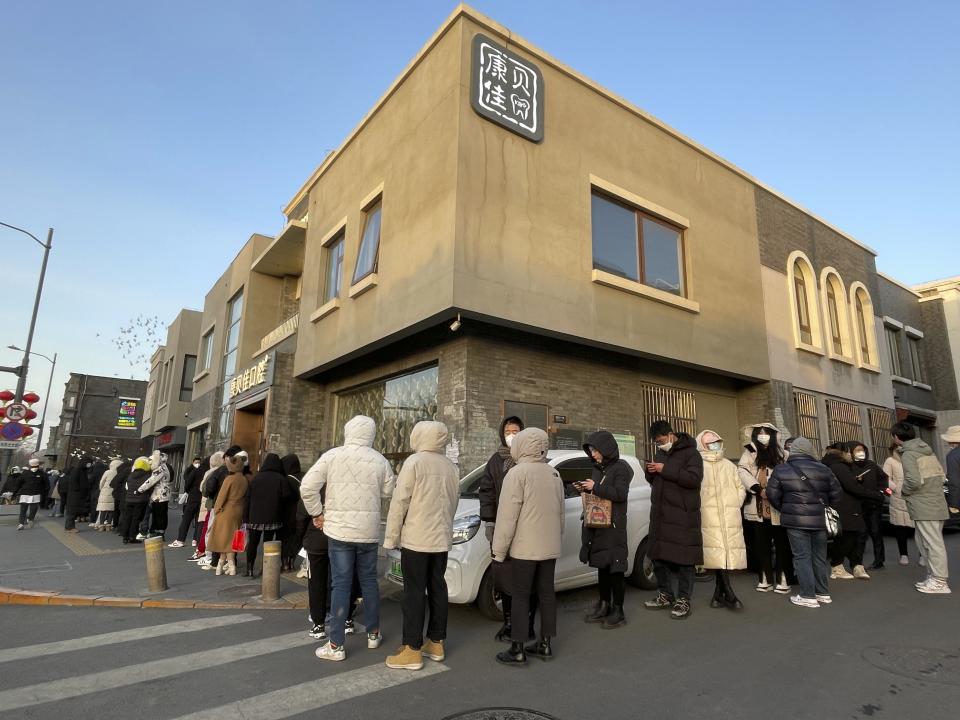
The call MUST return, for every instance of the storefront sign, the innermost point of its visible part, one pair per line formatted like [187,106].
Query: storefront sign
[288,328]
[255,378]
[127,415]
[507,89]
[171,438]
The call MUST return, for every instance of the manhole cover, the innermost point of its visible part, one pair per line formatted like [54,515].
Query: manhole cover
[240,591]
[927,664]
[500,714]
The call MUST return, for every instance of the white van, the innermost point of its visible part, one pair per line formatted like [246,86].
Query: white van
[469,575]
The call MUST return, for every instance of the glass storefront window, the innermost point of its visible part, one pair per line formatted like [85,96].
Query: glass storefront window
[396,405]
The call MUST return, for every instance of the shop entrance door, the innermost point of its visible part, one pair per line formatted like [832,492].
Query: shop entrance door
[248,431]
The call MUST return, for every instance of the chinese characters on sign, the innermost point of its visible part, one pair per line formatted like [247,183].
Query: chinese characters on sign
[251,377]
[507,89]
[127,415]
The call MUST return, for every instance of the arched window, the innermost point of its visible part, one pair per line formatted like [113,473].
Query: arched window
[802,286]
[837,313]
[864,326]
[833,315]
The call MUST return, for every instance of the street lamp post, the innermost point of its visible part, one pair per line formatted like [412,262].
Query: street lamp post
[46,402]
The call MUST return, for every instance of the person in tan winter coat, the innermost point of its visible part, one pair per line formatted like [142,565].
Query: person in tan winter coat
[529,530]
[228,510]
[105,498]
[899,517]
[721,497]
[420,523]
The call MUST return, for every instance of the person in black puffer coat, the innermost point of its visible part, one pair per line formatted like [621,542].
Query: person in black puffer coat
[119,485]
[606,548]
[840,462]
[263,516]
[874,481]
[135,502]
[288,535]
[799,489]
[78,494]
[676,542]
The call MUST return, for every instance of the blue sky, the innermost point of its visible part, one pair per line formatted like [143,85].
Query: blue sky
[156,137]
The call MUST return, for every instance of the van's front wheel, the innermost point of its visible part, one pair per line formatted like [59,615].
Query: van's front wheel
[487,597]
[642,575]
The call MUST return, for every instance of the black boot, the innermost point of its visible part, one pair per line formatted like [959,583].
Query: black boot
[719,592]
[600,612]
[503,634]
[730,598]
[615,619]
[541,649]
[516,655]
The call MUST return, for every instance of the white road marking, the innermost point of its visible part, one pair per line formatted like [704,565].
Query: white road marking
[316,694]
[110,638]
[36,569]
[67,688]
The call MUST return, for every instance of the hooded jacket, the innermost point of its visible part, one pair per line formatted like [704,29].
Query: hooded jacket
[721,497]
[356,477]
[159,481]
[675,534]
[229,507]
[105,499]
[192,477]
[530,514]
[923,479]
[290,535]
[870,477]
[268,490]
[499,464]
[800,502]
[30,482]
[850,505]
[212,476]
[78,488]
[893,468]
[139,475]
[607,547]
[749,473]
[426,496]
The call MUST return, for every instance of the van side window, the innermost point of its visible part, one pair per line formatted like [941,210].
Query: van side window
[574,470]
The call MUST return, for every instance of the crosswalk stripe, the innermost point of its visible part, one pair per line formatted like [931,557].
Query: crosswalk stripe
[67,688]
[316,694]
[110,638]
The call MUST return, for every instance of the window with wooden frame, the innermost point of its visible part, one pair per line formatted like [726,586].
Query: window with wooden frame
[334,268]
[802,295]
[893,347]
[844,421]
[835,308]
[676,406]
[808,421]
[881,420]
[636,245]
[833,315]
[802,289]
[916,367]
[369,255]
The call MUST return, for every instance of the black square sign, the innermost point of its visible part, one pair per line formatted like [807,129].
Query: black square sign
[507,89]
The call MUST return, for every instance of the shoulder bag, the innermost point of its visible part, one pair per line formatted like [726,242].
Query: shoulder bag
[830,516]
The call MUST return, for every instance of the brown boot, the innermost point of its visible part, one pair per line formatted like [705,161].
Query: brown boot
[433,650]
[406,659]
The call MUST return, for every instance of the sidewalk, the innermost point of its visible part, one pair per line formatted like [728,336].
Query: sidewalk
[49,566]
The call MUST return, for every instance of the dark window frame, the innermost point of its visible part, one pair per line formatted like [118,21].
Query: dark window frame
[186,379]
[802,297]
[916,364]
[833,317]
[375,205]
[893,345]
[334,251]
[861,312]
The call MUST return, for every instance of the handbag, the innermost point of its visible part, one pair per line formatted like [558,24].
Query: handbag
[597,511]
[239,543]
[831,517]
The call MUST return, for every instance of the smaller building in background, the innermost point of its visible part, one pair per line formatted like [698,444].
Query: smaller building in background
[166,413]
[102,418]
[940,301]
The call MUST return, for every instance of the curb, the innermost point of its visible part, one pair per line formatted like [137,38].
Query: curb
[17,596]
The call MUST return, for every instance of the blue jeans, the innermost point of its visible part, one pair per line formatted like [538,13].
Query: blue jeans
[810,561]
[344,557]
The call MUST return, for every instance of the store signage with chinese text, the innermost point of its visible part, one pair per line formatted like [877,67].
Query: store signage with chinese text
[258,376]
[127,415]
[507,89]
[288,328]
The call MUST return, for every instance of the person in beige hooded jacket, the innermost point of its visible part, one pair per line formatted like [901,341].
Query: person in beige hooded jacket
[420,523]
[529,530]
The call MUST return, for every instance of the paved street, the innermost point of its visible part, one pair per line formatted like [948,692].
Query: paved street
[881,650]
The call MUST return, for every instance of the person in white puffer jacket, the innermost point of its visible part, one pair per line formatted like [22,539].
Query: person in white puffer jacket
[159,481]
[356,478]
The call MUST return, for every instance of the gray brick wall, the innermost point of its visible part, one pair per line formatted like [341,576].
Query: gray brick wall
[904,306]
[937,356]
[298,412]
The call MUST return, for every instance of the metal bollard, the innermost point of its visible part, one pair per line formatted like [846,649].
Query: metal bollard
[156,567]
[270,578]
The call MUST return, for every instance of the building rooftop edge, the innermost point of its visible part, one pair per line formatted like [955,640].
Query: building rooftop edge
[898,283]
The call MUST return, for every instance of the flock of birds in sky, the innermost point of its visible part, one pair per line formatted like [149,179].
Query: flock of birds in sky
[137,341]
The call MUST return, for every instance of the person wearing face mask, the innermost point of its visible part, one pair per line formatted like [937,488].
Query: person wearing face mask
[761,456]
[840,461]
[721,497]
[899,517]
[676,544]
[192,477]
[491,485]
[875,482]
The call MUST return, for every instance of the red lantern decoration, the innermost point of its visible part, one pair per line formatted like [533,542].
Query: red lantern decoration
[30,398]
[3,412]
[31,414]
[27,431]
[6,396]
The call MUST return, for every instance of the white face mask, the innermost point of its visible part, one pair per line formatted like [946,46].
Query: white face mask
[665,446]
[859,456]
[509,439]
[715,446]
[196,464]
[763,439]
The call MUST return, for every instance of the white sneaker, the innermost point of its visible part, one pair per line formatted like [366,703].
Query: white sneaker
[193,543]
[175,544]
[318,632]
[860,573]
[804,602]
[935,587]
[839,572]
[764,587]
[824,599]
[20,526]
[141,536]
[904,560]
[329,652]
[374,640]
[925,581]
[782,588]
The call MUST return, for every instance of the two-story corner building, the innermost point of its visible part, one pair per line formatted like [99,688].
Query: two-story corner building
[916,330]
[170,389]
[824,331]
[244,390]
[942,297]
[571,259]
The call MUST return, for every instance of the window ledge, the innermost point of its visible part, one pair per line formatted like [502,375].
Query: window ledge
[202,375]
[902,380]
[807,347]
[871,368]
[324,310]
[921,385]
[634,288]
[362,285]
[845,359]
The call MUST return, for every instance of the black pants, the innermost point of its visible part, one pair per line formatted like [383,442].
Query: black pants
[155,521]
[132,514]
[611,586]
[63,505]
[529,577]
[253,544]
[665,570]
[28,511]
[70,521]
[871,516]
[846,546]
[902,532]
[424,585]
[191,510]
[773,554]
[318,586]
